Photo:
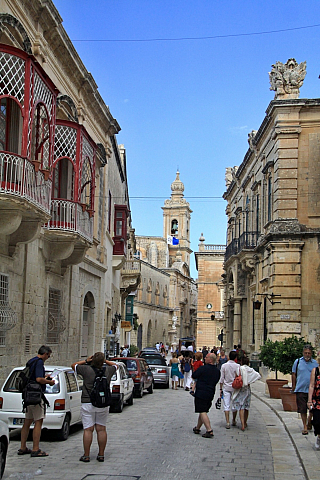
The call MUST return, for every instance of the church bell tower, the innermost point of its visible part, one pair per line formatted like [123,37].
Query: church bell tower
[176,222]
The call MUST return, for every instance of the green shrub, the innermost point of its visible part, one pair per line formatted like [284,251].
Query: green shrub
[279,356]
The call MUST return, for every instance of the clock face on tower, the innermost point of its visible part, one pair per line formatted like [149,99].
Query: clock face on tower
[209,306]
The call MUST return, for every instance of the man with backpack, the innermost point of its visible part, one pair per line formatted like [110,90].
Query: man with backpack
[95,400]
[36,413]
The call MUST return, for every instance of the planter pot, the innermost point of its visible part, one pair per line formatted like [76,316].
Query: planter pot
[274,385]
[288,399]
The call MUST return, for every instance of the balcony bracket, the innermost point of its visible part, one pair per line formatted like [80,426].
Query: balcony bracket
[28,231]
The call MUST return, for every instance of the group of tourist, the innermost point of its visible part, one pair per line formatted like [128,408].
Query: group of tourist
[93,418]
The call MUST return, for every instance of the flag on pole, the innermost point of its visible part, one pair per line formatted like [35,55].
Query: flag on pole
[172,240]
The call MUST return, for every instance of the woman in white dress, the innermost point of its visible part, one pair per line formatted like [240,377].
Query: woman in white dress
[241,398]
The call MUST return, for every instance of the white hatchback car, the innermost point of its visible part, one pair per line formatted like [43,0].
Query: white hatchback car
[4,442]
[122,387]
[64,398]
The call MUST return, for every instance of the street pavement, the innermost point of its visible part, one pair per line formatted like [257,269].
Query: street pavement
[153,440]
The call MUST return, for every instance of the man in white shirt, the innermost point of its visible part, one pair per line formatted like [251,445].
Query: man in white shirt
[229,371]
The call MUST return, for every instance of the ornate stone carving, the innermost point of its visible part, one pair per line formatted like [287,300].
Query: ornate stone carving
[230,175]
[285,226]
[251,136]
[241,282]
[287,78]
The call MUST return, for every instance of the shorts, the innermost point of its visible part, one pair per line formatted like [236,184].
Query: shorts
[35,412]
[93,416]
[301,399]
[175,378]
[227,401]
[201,405]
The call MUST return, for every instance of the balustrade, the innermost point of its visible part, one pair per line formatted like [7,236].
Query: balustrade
[18,178]
[67,215]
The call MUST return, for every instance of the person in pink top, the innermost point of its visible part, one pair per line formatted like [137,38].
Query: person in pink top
[229,371]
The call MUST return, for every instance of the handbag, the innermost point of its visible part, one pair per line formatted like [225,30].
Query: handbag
[237,382]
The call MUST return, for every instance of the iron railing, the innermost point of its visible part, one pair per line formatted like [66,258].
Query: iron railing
[67,215]
[18,178]
[246,241]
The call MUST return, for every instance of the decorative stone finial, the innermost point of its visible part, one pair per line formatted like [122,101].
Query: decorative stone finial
[286,79]
[202,239]
[177,186]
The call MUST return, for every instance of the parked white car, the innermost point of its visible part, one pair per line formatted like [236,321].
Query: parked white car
[64,398]
[122,387]
[4,442]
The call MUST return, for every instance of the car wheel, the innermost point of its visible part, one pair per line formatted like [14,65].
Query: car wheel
[118,407]
[150,389]
[140,392]
[3,456]
[166,385]
[130,400]
[63,433]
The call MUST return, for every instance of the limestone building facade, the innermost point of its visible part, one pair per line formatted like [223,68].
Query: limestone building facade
[166,300]
[210,305]
[273,199]
[65,225]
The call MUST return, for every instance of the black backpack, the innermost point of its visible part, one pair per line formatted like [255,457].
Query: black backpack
[100,395]
[24,376]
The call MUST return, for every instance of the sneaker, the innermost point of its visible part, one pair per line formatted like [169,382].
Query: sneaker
[228,426]
[317,444]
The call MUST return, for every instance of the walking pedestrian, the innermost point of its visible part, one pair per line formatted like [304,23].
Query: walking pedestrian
[93,417]
[222,359]
[197,363]
[174,364]
[36,413]
[301,372]
[229,371]
[314,401]
[187,372]
[241,397]
[207,378]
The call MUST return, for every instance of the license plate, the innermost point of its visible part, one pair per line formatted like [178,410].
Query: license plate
[18,421]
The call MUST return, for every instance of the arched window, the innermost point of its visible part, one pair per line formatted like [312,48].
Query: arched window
[63,179]
[86,183]
[10,126]
[174,227]
[40,148]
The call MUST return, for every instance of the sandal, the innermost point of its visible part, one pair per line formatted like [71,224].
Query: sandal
[39,453]
[26,451]
[100,458]
[208,434]
[304,432]
[196,430]
[84,458]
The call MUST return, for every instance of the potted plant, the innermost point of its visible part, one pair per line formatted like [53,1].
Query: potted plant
[287,351]
[268,356]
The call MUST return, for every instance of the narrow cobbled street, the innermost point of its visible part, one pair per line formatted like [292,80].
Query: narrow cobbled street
[153,440]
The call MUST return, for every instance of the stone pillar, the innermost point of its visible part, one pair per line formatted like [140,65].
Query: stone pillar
[236,321]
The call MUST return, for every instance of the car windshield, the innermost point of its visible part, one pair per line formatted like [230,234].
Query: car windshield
[154,360]
[130,364]
[10,385]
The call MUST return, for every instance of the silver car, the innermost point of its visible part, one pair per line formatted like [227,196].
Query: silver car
[158,366]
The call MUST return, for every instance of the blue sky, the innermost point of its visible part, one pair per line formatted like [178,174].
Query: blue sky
[189,103]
